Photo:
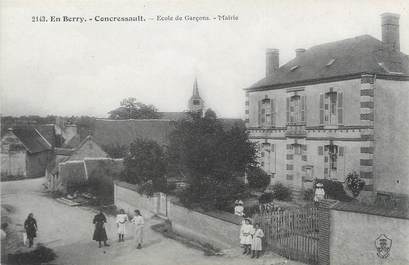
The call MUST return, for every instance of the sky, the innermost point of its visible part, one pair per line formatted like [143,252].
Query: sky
[88,68]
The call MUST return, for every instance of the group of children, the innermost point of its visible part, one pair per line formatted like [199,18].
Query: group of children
[122,219]
[251,238]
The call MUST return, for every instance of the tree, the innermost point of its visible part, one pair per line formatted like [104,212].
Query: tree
[257,178]
[116,150]
[281,192]
[131,109]
[145,165]
[210,159]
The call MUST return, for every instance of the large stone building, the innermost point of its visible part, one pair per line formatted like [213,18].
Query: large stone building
[335,108]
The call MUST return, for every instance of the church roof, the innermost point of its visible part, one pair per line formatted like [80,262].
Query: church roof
[362,54]
[195,94]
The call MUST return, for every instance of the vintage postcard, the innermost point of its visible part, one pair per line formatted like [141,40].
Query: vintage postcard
[204,132]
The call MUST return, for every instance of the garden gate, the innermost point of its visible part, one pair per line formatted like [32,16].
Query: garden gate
[291,232]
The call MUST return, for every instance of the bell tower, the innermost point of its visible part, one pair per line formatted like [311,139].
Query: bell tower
[196,103]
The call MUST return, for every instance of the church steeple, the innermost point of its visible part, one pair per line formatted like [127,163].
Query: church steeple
[196,103]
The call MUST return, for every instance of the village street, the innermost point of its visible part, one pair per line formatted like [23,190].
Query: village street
[68,230]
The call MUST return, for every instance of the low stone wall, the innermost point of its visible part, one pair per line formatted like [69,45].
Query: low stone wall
[126,197]
[356,232]
[219,229]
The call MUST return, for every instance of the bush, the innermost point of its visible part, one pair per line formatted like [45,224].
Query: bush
[334,190]
[266,197]
[281,192]
[309,195]
[257,178]
[354,183]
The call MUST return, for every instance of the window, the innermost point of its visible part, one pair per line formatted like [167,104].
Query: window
[267,113]
[331,108]
[296,109]
[298,149]
[196,102]
[331,158]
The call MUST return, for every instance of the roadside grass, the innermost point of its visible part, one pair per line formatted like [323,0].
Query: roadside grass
[38,256]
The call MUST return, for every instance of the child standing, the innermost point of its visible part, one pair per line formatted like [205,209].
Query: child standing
[121,220]
[256,245]
[246,238]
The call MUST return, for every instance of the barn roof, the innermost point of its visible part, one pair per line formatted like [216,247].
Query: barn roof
[32,140]
[124,132]
[362,54]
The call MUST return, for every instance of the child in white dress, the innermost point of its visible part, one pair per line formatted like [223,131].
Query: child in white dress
[121,220]
[256,245]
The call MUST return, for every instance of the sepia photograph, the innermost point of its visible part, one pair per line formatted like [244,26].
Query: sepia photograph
[157,132]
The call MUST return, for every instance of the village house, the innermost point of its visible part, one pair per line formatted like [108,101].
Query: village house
[335,108]
[25,152]
[62,169]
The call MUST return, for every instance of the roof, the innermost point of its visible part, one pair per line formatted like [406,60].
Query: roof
[362,54]
[78,171]
[33,141]
[173,116]
[373,210]
[63,151]
[73,142]
[103,167]
[227,124]
[48,132]
[124,132]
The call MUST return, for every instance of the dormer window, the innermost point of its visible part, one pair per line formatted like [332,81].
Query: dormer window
[294,68]
[331,61]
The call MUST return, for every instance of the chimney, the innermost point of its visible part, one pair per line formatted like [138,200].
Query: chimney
[299,51]
[272,61]
[390,30]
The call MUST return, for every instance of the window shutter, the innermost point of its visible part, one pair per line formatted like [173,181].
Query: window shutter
[259,113]
[320,150]
[341,151]
[321,109]
[340,108]
[288,110]
[273,112]
[303,108]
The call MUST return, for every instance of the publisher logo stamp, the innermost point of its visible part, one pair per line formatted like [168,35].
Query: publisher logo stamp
[383,246]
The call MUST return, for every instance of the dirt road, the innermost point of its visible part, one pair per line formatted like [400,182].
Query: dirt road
[68,230]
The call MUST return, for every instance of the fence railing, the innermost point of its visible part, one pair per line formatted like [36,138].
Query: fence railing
[292,232]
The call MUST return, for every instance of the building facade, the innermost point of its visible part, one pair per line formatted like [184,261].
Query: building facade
[335,108]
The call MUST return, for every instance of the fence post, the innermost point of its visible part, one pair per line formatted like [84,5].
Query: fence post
[324,223]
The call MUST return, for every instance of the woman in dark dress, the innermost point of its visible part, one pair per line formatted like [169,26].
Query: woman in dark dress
[100,234]
[30,225]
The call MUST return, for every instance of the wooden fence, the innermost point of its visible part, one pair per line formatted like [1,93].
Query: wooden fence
[291,232]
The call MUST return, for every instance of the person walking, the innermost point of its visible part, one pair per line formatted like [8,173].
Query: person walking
[138,223]
[100,234]
[30,225]
[246,239]
[121,220]
[256,244]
